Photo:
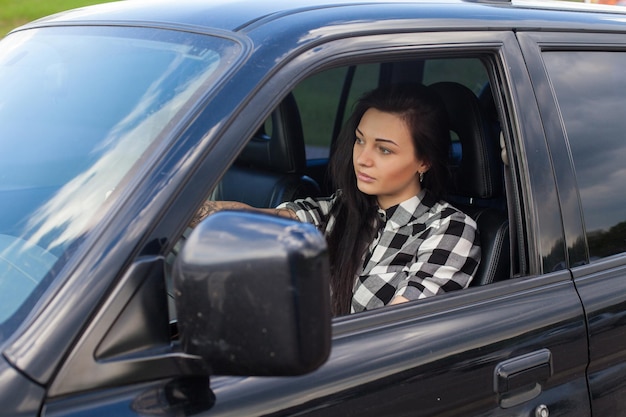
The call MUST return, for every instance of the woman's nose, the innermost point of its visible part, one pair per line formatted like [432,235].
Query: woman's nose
[362,156]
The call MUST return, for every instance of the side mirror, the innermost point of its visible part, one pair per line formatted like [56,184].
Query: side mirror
[252,295]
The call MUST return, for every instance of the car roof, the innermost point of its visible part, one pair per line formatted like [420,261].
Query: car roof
[245,15]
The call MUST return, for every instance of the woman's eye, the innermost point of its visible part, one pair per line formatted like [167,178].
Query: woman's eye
[358,140]
[385,151]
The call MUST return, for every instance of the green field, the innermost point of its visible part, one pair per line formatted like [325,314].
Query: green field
[17,12]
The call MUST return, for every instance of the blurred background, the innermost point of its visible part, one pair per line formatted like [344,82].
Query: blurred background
[14,13]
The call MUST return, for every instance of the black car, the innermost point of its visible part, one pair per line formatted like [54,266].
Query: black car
[118,121]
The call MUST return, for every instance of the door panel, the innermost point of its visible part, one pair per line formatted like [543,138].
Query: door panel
[602,287]
[510,347]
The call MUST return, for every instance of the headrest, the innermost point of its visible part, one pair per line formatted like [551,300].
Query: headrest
[282,148]
[479,172]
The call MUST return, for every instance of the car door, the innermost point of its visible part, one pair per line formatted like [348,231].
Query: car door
[513,347]
[581,109]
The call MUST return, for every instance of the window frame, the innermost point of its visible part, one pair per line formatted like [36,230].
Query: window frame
[499,45]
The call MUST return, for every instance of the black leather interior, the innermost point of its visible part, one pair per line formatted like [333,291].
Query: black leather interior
[270,169]
[477,180]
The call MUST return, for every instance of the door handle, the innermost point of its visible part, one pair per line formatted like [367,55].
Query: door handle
[519,379]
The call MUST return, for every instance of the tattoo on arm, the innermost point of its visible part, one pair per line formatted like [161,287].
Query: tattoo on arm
[208,208]
[285,212]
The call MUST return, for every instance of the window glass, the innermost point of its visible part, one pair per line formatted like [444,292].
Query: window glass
[365,79]
[590,90]
[319,99]
[470,72]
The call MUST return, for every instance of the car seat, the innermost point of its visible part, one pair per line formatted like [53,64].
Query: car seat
[477,180]
[270,168]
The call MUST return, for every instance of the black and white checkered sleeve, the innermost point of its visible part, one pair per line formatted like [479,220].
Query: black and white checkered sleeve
[446,260]
[311,210]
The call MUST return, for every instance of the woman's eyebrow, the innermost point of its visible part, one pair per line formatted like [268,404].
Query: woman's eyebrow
[386,141]
[358,131]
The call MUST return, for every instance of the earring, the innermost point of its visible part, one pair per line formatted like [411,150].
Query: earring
[421,177]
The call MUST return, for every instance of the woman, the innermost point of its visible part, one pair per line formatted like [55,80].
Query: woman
[390,237]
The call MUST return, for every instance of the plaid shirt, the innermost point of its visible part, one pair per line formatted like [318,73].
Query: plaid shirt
[424,247]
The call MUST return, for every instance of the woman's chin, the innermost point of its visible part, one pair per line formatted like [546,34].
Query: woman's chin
[366,189]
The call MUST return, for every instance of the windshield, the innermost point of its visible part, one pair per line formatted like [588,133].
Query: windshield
[79,107]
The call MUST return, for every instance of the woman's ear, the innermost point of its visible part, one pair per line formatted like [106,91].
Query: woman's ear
[423,167]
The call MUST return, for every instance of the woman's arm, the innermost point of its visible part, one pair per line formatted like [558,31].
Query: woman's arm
[398,300]
[446,260]
[210,207]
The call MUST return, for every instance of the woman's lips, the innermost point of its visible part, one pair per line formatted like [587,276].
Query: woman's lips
[364,177]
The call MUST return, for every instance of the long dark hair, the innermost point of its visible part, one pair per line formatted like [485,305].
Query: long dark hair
[356,213]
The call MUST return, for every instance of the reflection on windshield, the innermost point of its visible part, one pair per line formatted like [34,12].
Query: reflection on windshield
[79,108]
[74,203]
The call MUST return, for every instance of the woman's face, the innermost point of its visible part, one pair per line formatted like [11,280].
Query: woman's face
[385,163]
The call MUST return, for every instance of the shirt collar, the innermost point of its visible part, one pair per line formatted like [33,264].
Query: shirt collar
[404,213]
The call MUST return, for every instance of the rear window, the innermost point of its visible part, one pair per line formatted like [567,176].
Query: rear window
[590,88]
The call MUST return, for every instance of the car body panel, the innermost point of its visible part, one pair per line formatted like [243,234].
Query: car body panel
[20,396]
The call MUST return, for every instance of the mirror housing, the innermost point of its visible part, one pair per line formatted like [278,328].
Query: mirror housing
[252,295]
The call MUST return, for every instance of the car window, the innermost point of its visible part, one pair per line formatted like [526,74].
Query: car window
[325,101]
[328,96]
[589,87]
